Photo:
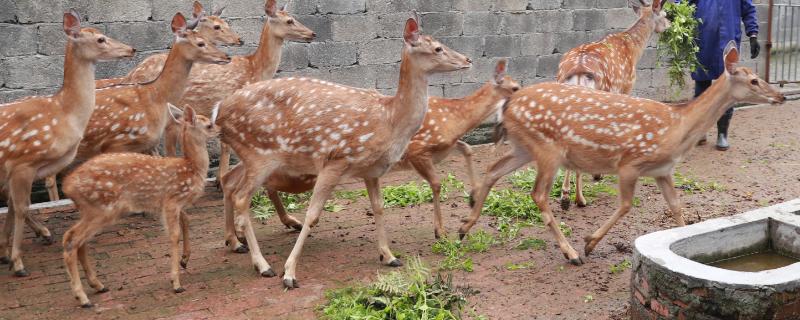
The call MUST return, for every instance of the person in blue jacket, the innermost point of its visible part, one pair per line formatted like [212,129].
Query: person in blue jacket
[721,23]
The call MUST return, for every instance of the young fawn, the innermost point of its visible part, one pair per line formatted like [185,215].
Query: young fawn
[132,118]
[597,132]
[446,121]
[610,65]
[39,136]
[110,185]
[210,27]
[312,127]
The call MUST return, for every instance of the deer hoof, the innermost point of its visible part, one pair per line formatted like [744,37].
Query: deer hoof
[242,240]
[290,284]
[184,264]
[565,203]
[396,263]
[576,262]
[268,273]
[180,290]
[581,204]
[47,240]
[21,273]
[5,260]
[461,234]
[597,177]
[103,290]
[87,305]
[241,249]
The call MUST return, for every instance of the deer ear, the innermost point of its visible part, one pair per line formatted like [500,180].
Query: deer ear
[731,55]
[411,33]
[658,5]
[178,24]
[197,9]
[500,71]
[190,116]
[271,8]
[175,113]
[218,12]
[72,23]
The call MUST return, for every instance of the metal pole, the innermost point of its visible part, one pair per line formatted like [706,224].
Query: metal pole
[769,41]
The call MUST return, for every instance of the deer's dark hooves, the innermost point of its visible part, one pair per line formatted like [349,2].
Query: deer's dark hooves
[48,240]
[268,273]
[242,240]
[21,273]
[396,263]
[87,305]
[290,284]
[471,199]
[180,290]
[597,177]
[461,234]
[184,264]
[436,234]
[576,262]
[581,204]
[241,249]
[565,203]
[103,290]
[5,260]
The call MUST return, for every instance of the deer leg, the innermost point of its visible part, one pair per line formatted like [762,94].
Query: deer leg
[507,164]
[52,187]
[466,151]
[426,169]
[172,217]
[88,269]
[579,199]
[376,200]
[544,182]
[5,238]
[286,219]
[39,229]
[565,186]
[20,191]
[187,251]
[224,159]
[74,239]
[241,196]
[230,182]
[328,178]
[627,187]
[668,190]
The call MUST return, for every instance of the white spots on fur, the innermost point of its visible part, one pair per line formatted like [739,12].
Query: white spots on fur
[29,134]
[366,137]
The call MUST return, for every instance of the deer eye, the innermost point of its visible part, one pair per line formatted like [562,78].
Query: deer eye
[290,21]
[438,49]
[101,40]
[217,27]
[201,44]
[754,82]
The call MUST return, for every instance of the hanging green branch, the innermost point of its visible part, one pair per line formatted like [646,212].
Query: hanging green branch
[678,44]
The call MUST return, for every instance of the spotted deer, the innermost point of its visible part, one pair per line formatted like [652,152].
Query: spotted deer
[113,184]
[307,126]
[39,136]
[597,132]
[132,118]
[211,27]
[610,65]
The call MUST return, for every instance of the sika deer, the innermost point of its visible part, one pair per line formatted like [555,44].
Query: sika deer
[592,131]
[446,121]
[610,65]
[213,28]
[132,118]
[313,127]
[39,136]
[110,185]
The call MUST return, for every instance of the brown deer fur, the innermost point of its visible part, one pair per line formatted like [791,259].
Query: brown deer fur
[110,185]
[598,132]
[308,126]
[132,118]
[39,136]
[609,65]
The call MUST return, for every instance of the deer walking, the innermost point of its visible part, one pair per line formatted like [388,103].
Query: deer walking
[132,118]
[307,126]
[110,185]
[39,136]
[610,65]
[598,132]
[446,121]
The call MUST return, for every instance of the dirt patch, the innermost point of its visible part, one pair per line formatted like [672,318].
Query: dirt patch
[760,169]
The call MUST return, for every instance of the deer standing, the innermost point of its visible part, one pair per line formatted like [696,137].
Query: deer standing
[211,27]
[598,132]
[610,65]
[110,185]
[39,136]
[446,121]
[132,118]
[311,127]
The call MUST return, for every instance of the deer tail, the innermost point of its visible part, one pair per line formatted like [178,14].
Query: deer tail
[500,132]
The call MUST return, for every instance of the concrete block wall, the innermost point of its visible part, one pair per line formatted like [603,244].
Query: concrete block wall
[358,40]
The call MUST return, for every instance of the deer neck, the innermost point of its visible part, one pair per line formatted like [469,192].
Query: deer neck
[479,105]
[701,113]
[77,94]
[638,35]
[268,55]
[196,154]
[173,79]
[407,109]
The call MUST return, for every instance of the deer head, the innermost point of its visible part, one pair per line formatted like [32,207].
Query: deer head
[91,44]
[431,55]
[193,46]
[746,86]
[653,13]
[503,82]
[284,26]
[197,128]
[213,27]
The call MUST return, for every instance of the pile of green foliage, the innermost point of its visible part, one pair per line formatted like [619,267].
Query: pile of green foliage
[678,43]
[411,293]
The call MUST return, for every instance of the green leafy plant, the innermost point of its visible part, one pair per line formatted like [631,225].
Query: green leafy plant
[455,251]
[525,180]
[263,208]
[513,204]
[620,267]
[414,193]
[565,229]
[531,243]
[678,44]
[519,266]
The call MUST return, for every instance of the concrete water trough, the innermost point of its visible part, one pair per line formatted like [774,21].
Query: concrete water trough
[673,276]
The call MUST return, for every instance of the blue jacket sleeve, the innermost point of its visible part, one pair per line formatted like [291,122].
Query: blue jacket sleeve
[749,17]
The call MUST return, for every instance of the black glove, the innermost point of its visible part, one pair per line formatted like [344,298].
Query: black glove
[755,48]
